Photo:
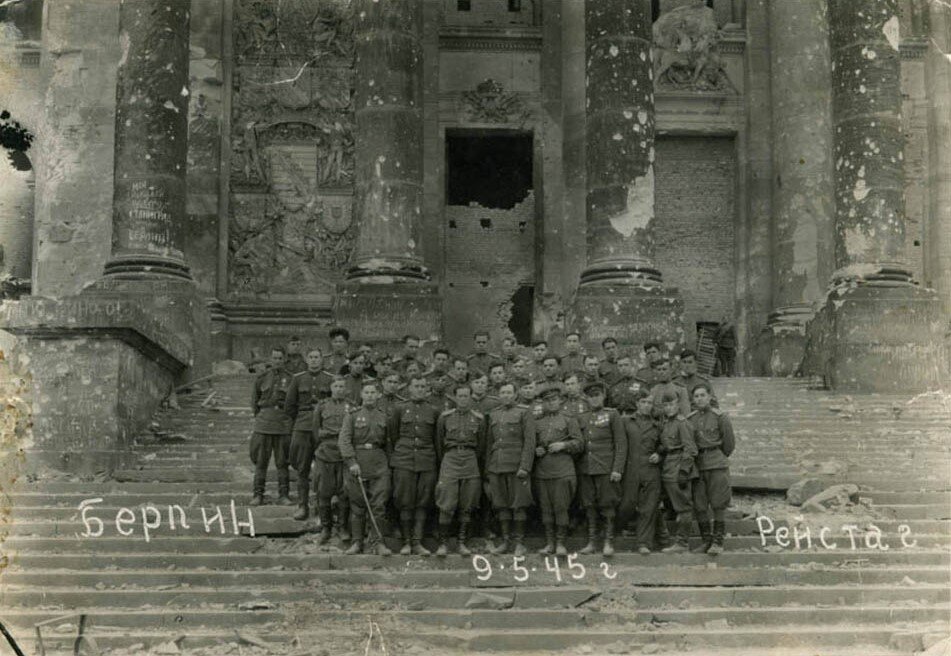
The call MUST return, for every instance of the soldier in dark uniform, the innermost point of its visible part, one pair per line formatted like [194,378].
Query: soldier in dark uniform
[497,378]
[575,403]
[296,362]
[355,378]
[679,471]
[557,440]
[272,428]
[627,384]
[412,434]
[369,359]
[689,378]
[652,353]
[551,375]
[663,385]
[591,373]
[306,390]
[535,368]
[480,359]
[410,353]
[509,352]
[442,361]
[573,359]
[460,448]
[519,374]
[391,395]
[339,351]
[600,466]
[511,452]
[713,434]
[362,446]
[528,397]
[641,486]
[327,423]
[726,347]
[608,366]
[481,399]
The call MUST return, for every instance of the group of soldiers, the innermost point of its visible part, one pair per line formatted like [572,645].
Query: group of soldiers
[485,438]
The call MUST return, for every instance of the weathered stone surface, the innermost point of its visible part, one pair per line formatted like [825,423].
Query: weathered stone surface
[383,313]
[389,142]
[906,642]
[805,489]
[834,495]
[488,600]
[631,315]
[151,141]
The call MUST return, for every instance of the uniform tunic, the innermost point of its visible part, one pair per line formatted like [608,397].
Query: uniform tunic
[683,399]
[690,382]
[713,433]
[647,375]
[510,447]
[460,447]
[572,363]
[328,422]
[678,449]
[482,362]
[272,429]
[411,432]
[622,393]
[641,486]
[605,451]
[363,441]
[355,386]
[555,478]
[305,390]
[608,371]
[575,406]
[295,363]
[485,403]
[336,362]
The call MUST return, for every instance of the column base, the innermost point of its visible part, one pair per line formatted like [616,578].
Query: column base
[879,338]
[146,267]
[383,313]
[781,345]
[388,270]
[630,314]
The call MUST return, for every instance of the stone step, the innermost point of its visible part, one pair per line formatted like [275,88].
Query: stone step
[537,574]
[338,561]
[907,511]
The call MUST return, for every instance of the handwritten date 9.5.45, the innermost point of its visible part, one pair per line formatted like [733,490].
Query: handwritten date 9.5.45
[521,572]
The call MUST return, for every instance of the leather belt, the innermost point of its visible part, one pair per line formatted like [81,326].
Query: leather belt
[704,449]
[675,449]
[461,447]
[367,447]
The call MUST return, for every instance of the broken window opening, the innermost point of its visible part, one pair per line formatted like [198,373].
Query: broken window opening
[491,169]
[520,323]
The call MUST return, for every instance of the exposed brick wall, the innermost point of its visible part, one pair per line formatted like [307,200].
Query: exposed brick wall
[914,113]
[488,12]
[489,253]
[695,214]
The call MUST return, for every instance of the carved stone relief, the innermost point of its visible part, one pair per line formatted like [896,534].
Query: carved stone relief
[489,102]
[685,50]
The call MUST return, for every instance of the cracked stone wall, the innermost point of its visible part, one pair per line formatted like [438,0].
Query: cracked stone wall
[489,254]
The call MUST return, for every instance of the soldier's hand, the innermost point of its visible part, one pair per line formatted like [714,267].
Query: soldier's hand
[355,469]
[540,451]
[654,458]
[615,477]
[521,473]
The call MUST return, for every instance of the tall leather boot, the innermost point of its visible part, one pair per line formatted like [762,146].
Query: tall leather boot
[503,546]
[682,540]
[590,548]
[442,535]
[325,512]
[356,533]
[416,545]
[561,533]
[706,535]
[463,534]
[284,488]
[608,549]
[719,531]
[519,538]
[662,537]
[406,532]
[303,507]
[343,523]
[549,547]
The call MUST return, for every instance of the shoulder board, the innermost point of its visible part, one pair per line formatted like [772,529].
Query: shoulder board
[492,396]
[471,355]
[716,411]
[678,383]
[448,412]
[399,398]
[368,379]
[692,414]
[299,374]
[680,418]
[476,413]
[523,406]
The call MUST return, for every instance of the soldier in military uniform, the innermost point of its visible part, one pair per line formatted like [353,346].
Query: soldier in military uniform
[600,466]
[573,359]
[296,362]
[608,367]
[511,452]
[327,422]
[663,384]
[575,403]
[535,368]
[497,378]
[519,374]
[689,378]
[641,486]
[391,396]
[272,428]
[713,434]
[550,375]
[410,353]
[306,390]
[626,385]
[480,359]
[460,448]
[652,353]
[363,447]
[679,471]
[355,378]
[557,440]
[339,351]
[591,373]
[509,352]
[481,399]
[412,436]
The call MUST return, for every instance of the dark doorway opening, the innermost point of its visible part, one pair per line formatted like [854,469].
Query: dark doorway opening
[523,301]
[493,169]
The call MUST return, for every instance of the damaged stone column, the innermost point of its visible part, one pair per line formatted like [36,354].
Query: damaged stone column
[387,269]
[877,330]
[621,292]
[151,141]
[803,201]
